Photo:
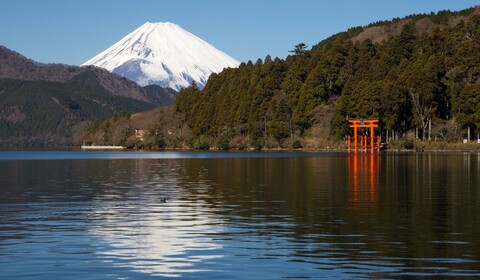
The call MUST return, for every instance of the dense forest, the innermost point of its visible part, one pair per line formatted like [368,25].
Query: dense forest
[44,112]
[420,75]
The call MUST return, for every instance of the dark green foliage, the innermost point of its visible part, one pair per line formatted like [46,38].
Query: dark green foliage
[299,49]
[160,96]
[40,103]
[468,105]
[297,145]
[416,74]
[42,112]
[225,137]
[408,144]
[161,144]
[202,144]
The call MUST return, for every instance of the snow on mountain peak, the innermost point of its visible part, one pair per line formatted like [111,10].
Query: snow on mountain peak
[165,54]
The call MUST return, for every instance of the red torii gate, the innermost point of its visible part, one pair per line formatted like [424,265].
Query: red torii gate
[364,141]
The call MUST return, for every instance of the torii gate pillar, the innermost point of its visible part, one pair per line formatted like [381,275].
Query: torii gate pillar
[364,123]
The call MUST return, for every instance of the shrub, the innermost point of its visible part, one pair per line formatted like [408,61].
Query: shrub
[408,144]
[296,144]
[202,144]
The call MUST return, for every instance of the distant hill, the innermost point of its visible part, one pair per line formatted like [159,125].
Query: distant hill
[420,75]
[40,103]
[161,96]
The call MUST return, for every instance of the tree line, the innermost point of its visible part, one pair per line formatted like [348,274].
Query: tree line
[422,80]
[419,75]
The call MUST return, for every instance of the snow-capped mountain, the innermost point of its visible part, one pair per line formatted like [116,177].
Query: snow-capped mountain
[163,54]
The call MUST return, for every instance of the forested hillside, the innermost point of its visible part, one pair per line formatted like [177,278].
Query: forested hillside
[41,103]
[420,75]
[43,112]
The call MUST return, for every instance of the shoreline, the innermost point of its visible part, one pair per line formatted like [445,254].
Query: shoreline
[85,147]
[418,147]
[343,151]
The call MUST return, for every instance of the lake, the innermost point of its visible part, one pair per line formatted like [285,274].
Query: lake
[207,215]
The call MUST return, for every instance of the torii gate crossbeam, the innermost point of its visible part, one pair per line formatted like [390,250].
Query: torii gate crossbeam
[364,123]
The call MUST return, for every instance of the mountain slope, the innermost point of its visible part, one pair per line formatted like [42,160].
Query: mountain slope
[40,103]
[160,95]
[44,112]
[163,54]
[15,66]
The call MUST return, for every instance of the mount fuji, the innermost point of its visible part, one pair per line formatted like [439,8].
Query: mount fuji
[164,54]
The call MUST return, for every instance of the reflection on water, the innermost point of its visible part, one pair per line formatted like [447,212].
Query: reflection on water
[363,174]
[153,237]
[151,228]
[321,216]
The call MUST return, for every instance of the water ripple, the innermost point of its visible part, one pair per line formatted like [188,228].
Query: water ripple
[232,217]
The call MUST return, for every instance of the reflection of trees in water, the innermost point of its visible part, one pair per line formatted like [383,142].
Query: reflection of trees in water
[267,186]
[395,205]
[416,210]
[433,205]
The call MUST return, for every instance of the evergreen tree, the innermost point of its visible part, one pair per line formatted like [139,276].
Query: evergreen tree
[412,75]
[299,49]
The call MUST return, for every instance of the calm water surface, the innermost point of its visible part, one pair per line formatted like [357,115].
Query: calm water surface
[103,215]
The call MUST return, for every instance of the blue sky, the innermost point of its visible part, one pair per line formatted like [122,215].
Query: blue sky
[71,32]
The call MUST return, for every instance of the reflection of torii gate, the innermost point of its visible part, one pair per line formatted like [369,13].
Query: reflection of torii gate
[364,140]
